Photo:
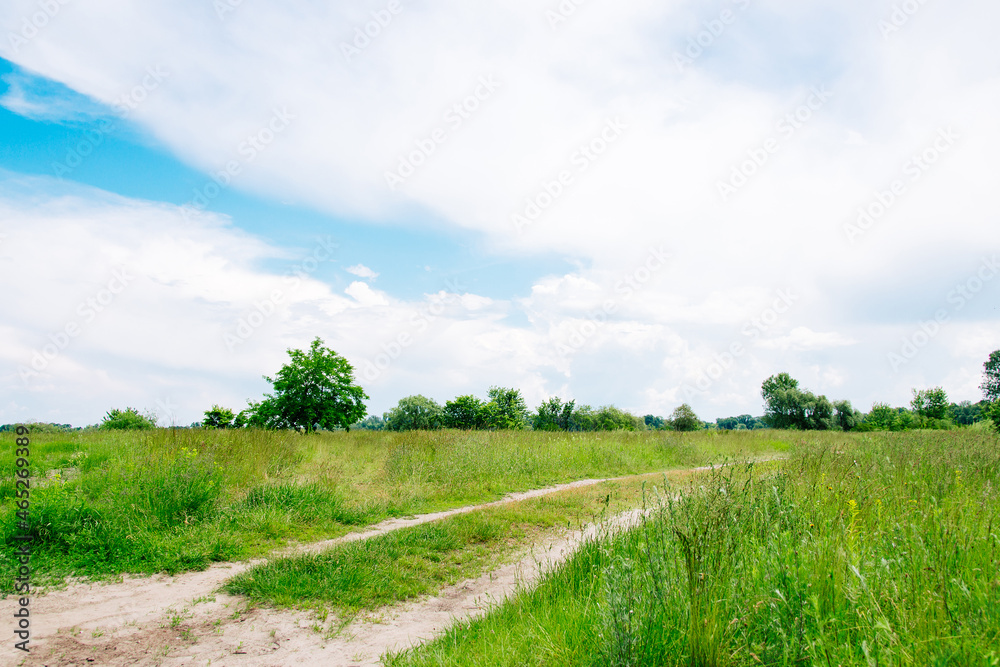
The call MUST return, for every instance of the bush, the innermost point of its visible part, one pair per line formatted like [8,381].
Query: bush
[128,419]
[413,413]
[684,419]
[218,417]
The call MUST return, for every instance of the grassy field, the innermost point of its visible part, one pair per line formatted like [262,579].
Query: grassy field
[420,560]
[106,503]
[877,549]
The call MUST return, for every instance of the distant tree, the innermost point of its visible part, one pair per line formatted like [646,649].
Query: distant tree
[993,412]
[128,419]
[415,413]
[787,406]
[930,403]
[991,377]
[966,413]
[726,423]
[465,412]
[782,403]
[846,417]
[653,422]
[611,418]
[683,418]
[553,415]
[584,418]
[314,390]
[218,417]
[506,409]
[882,417]
[370,423]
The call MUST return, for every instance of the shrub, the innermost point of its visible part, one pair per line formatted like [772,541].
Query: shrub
[128,419]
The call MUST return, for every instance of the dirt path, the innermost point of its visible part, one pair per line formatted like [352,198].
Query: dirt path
[179,620]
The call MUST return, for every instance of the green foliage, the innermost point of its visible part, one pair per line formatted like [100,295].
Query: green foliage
[991,377]
[993,412]
[465,413]
[683,418]
[553,415]
[371,423]
[605,418]
[218,417]
[506,409]
[128,419]
[930,403]
[611,418]
[739,423]
[967,413]
[314,390]
[787,406]
[413,413]
[846,417]
[654,422]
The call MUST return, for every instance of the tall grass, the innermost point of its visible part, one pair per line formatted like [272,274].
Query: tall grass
[105,503]
[863,550]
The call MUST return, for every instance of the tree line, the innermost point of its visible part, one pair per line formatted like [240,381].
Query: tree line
[316,390]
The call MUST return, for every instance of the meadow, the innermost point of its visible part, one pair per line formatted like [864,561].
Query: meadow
[874,549]
[106,503]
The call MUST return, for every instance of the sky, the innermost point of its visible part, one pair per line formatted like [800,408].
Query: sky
[641,204]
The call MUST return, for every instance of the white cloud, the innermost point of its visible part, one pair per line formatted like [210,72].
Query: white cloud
[805,339]
[362,271]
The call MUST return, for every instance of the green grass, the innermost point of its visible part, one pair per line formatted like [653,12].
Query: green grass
[107,503]
[421,560]
[863,550]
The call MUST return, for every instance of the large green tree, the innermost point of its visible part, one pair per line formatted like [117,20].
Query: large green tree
[683,418]
[787,406]
[553,415]
[991,387]
[415,413]
[315,389]
[930,403]
[991,377]
[465,412]
[506,409]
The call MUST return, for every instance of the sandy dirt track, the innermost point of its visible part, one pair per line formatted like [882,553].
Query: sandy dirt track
[180,620]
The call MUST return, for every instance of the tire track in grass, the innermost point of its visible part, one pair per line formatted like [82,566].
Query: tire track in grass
[179,620]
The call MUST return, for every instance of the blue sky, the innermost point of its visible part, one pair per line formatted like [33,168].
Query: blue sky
[598,208]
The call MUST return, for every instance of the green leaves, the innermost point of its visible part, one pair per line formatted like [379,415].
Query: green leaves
[128,419]
[991,377]
[314,390]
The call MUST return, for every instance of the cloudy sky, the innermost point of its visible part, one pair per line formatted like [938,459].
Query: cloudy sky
[641,203]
